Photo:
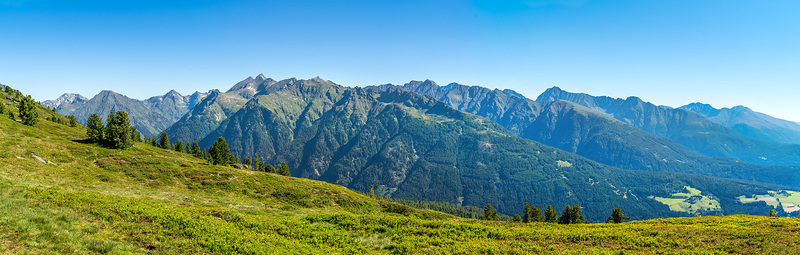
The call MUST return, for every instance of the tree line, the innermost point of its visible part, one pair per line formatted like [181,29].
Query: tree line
[570,215]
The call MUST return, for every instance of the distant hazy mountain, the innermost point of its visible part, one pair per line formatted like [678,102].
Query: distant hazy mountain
[592,134]
[750,123]
[412,146]
[150,117]
[66,103]
[685,127]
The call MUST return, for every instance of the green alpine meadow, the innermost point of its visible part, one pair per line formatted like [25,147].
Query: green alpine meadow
[65,192]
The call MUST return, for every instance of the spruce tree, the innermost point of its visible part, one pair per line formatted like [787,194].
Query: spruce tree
[261,168]
[27,111]
[283,169]
[95,128]
[247,161]
[269,169]
[219,152]
[256,163]
[179,146]
[536,214]
[489,213]
[2,108]
[517,218]
[118,133]
[164,142]
[72,121]
[153,141]
[565,216]
[527,213]
[772,213]
[617,216]
[109,129]
[11,115]
[135,135]
[576,217]
[550,214]
[196,151]
[372,192]
[187,149]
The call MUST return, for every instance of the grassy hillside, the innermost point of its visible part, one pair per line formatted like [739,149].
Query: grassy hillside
[59,194]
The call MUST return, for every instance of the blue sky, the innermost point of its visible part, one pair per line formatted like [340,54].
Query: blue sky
[722,52]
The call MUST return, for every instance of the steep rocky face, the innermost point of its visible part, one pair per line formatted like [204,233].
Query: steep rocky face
[750,123]
[67,103]
[215,107]
[688,128]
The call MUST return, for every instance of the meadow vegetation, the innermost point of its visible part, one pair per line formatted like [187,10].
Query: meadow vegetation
[63,193]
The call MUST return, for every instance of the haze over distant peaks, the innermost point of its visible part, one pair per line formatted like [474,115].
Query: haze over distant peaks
[750,123]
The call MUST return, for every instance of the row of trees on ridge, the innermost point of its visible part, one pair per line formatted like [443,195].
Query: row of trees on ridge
[570,215]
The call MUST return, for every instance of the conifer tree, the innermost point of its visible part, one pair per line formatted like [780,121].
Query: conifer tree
[153,141]
[550,214]
[179,146]
[109,128]
[118,133]
[261,168]
[270,169]
[95,128]
[164,142]
[27,111]
[257,163]
[187,149]
[135,135]
[219,152]
[283,169]
[517,218]
[565,216]
[11,115]
[527,213]
[72,121]
[772,213]
[247,161]
[196,151]
[617,216]
[2,108]
[489,213]
[371,191]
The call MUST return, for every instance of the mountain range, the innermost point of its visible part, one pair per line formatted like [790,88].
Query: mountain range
[750,123]
[150,117]
[688,128]
[466,145]
[593,134]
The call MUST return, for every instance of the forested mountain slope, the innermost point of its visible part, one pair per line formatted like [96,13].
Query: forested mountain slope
[414,147]
[592,134]
[685,127]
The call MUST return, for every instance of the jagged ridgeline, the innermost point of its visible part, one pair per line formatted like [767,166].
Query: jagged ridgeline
[412,146]
[596,135]
[688,128]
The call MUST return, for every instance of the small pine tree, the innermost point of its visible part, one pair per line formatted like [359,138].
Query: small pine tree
[489,213]
[179,146]
[617,216]
[550,214]
[536,214]
[270,169]
[772,213]
[527,213]
[164,141]
[196,151]
[154,142]
[261,168]
[371,191]
[11,115]
[565,216]
[187,150]
[219,152]
[135,135]
[2,108]
[576,217]
[95,128]
[247,161]
[256,163]
[517,218]
[283,169]
[27,111]
[118,133]
[72,121]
